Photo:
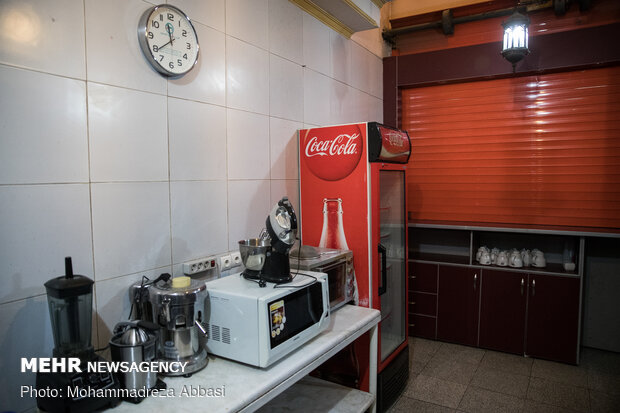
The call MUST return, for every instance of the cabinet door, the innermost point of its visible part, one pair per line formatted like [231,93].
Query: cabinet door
[502,310]
[423,277]
[423,300]
[553,317]
[458,303]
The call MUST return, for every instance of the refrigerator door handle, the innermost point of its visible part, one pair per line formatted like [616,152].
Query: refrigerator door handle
[383,286]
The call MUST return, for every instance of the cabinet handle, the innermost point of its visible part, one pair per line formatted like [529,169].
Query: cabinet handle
[411,325]
[412,302]
[522,285]
[475,280]
[533,288]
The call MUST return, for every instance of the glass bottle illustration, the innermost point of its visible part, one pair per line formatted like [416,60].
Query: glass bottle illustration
[332,235]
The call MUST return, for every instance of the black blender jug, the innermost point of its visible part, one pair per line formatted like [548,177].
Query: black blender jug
[70,300]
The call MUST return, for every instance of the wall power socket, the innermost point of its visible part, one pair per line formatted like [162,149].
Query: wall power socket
[200,265]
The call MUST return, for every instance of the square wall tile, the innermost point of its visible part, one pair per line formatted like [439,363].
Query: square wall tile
[286,187]
[375,65]
[360,74]
[199,219]
[247,145]
[44,35]
[286,89]
[284,144]
[317,89]
[340,51]
[247,77]
[286,30]
[40,225]
[113,53]
[114,301]
[248,21]
[358,106]
[25,331]
[316,45]
[376,112]
[206,82]
[211,13]
[131,227]
[197,140]
[340,102]
[42,140]
[128,135]
[248,206]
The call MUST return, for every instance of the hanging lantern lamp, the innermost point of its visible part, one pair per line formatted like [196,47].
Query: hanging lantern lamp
[515,45]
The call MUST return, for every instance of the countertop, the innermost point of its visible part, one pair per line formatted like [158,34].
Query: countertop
[228,386]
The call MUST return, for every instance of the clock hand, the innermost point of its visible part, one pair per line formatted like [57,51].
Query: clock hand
[169,30]
[165,44]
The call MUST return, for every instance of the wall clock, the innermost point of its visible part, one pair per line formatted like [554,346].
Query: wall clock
[168,40]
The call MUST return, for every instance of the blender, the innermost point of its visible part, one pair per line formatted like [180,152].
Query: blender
[69,299]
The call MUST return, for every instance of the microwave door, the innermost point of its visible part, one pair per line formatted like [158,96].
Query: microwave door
[336,279]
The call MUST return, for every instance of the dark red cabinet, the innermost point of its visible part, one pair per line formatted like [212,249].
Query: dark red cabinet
[532,314]
[499,309]
[423,300]
[553,317]
[458,303]
[502,310]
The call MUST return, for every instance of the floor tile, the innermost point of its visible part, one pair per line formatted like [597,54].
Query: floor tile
[562,373]
[478,400]
[416,367]
[604,403]
[501,381]
[599,360]
[558,394]
[447,377]
[436,391]
[429,346]
[604,382]
[450,370]
[406,405]
[535,407]
[511,363]
[422,350]
[460,353]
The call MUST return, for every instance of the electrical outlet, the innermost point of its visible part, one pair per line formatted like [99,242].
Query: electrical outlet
[236,259]
[225,262]
[200,265]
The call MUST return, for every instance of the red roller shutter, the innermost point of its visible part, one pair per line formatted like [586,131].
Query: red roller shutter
[535,151]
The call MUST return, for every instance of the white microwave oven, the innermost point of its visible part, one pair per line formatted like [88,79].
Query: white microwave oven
[260,325]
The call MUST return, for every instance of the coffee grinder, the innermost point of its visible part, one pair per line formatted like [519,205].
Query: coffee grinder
[69,299]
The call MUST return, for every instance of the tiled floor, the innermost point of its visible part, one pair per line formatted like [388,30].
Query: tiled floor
[451,378]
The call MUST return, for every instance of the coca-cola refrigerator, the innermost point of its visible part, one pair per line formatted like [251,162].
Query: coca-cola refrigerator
[352,196]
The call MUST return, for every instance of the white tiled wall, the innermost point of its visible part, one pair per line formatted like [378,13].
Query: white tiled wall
[130,173]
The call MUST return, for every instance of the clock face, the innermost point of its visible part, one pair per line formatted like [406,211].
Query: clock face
[168,40]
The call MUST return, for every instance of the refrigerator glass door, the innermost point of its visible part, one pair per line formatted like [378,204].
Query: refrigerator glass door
[392,255]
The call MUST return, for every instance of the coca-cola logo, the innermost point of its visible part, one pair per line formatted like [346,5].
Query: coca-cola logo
[395,139]
[333,153]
